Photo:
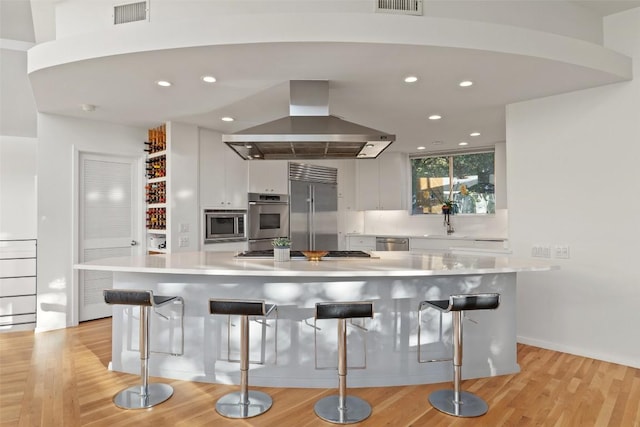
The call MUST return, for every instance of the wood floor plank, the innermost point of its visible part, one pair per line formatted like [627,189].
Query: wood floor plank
[60,378]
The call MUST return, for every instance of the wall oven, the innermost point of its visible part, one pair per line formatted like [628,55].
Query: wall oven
[224,225]
[268,218]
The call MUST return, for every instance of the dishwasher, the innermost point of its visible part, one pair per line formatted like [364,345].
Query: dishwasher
[392,244]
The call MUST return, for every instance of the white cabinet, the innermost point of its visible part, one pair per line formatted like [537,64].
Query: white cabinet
[447,243]
[361,243]
[381,183]
[268,176]
[223,174]
[17,284]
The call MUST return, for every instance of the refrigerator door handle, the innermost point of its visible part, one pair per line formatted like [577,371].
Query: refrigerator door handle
[312,218]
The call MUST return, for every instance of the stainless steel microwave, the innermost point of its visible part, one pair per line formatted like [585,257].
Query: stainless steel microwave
[225,225]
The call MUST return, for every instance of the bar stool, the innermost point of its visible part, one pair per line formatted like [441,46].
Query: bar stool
[455,402]
[245,403]
[343,409]
[145,395]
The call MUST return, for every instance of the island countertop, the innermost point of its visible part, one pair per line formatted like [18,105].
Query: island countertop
[381,264]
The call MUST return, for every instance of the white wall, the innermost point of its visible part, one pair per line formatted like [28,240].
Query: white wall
[559,17]
[183,186]
[18,187]
[572,165]
[57,138]
[401,223]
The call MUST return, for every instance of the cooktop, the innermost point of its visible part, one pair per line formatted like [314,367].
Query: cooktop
[268,253]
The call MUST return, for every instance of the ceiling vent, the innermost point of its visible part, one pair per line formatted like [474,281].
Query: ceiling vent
[403,7]
[131,12]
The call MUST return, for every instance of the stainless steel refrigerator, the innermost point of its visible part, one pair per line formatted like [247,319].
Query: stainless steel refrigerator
[313,207]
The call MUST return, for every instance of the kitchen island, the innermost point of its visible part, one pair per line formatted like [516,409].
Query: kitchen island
[289,349]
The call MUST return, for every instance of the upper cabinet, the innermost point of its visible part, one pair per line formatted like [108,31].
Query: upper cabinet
[381,183]
[223,174]
[268,176]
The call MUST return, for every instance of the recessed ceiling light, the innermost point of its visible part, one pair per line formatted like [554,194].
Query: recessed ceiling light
[369,145]
[163,83]
[474,134]
[208,79]
[421,147]
[435,117]
[227,119]
[88,107]
[410,79]
[256,156]
[465,83]
[463,143]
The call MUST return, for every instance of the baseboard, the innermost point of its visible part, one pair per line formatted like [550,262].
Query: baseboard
[605,357]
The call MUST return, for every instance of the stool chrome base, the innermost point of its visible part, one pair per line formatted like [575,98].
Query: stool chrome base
[131,398]
[230,406]
[356,410]
[469,405]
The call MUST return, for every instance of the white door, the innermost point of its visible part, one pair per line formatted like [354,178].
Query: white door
[108,225]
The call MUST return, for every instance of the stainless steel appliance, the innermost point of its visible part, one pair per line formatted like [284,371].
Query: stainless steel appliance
[268,218]
[313,207]
[309,132]
[392,244]
[224,225]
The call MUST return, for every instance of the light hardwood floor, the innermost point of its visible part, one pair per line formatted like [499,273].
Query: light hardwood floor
[59,378]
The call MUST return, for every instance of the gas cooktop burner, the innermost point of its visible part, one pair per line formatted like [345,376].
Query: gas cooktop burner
[268,253]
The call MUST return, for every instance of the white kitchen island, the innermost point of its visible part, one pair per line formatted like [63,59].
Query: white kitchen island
[196,346]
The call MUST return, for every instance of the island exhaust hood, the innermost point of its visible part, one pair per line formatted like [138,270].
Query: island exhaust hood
[309,132]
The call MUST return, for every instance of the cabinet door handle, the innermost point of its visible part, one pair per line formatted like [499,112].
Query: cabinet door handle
[134,243]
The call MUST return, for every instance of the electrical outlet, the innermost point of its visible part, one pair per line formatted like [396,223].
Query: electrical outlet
[546,252]
[541,251]
[562,251]
[183,242]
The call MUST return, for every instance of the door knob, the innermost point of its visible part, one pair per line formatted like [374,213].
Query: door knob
[133,243]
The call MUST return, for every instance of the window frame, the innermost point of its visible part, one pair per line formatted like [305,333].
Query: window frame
[450,156]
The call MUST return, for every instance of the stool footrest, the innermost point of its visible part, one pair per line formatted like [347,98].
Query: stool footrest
[356,409]
[469,405]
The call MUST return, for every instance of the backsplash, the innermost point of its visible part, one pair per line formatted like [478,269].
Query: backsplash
[401,223]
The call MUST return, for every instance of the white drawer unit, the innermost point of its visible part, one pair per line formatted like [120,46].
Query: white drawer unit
[419,244]
[361,243]
[18,284]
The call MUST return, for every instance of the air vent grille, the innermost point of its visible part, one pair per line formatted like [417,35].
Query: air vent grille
[131,12]
[404,7]
[312,173]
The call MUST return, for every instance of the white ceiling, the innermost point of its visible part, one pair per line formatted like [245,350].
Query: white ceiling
[366,87]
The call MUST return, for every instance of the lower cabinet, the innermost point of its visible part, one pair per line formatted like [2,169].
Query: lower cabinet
[17,285]
[361,243]
[430,244]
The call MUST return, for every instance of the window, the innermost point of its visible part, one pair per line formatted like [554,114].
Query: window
[468,180]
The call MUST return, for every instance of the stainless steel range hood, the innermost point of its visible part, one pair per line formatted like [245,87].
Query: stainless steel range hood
[309,132]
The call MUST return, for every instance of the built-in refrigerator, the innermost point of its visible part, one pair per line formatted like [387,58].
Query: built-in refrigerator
[313,207]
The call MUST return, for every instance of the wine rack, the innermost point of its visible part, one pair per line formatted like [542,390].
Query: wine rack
[156,192]
[156,219]
[157,167]
[157,140]
[156,189]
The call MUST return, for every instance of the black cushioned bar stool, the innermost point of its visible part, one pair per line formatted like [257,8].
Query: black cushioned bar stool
[343,409]
[456,402]
[245,403]
[145,395]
